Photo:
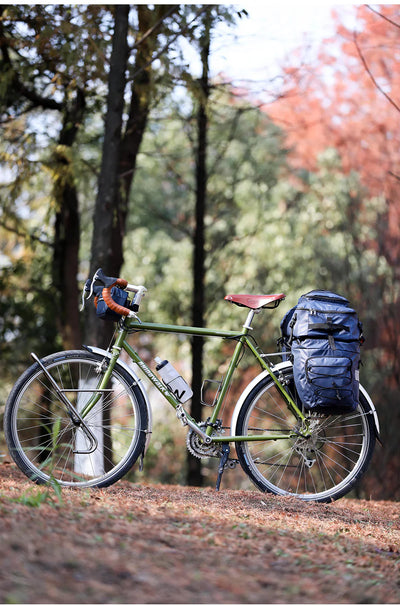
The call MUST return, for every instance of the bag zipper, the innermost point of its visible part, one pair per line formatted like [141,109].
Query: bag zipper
[343,301]
[314,312]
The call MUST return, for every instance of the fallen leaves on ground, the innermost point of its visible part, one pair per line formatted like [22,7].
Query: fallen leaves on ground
[143,543]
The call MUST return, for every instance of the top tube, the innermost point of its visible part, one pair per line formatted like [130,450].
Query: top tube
[183,330]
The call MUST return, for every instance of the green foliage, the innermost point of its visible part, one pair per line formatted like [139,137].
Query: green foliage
[52,493]
[51,47]
[27,313]
[268,228]
[35,497]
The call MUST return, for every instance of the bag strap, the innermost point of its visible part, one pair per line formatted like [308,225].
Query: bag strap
[328,326]
[291,327]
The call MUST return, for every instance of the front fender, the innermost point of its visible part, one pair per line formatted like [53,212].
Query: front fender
[131,372]
[275,369]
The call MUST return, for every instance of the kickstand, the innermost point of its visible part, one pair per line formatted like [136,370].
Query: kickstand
[224,457]
[141,459]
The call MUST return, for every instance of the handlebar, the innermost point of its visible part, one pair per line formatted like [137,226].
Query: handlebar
[123,311]
[109,283]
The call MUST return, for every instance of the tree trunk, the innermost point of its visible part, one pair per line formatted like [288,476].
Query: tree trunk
[135,127]
[105,219]
[194,475]
[120,151]
[67,229]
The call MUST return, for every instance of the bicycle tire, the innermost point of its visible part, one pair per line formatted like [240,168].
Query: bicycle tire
[48,445]
[323,467]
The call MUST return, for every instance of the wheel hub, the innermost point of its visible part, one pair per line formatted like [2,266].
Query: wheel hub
[309,446]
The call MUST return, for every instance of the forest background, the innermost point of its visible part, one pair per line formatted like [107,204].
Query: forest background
[116,152]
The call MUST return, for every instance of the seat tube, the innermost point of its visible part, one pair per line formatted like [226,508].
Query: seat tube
[231,369]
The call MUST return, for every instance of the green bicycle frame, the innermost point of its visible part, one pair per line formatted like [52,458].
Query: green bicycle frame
[242,341]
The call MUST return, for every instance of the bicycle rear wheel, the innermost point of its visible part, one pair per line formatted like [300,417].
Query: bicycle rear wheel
[322,467]
[48,443]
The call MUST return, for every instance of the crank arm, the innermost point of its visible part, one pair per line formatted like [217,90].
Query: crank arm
[187,420]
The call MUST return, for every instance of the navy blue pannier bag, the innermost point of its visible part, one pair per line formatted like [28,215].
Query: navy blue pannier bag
[323,334]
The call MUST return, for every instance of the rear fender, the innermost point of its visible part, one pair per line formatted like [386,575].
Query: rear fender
[373,410]
[281,367]
[136,379]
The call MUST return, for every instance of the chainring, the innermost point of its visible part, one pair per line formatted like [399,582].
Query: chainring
[198,448]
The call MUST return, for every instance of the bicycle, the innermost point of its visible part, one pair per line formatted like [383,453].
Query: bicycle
[83,418]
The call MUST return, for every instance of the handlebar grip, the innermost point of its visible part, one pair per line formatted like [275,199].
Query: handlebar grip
[121,283]
[122,311]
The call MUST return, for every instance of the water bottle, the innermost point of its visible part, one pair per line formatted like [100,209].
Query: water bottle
[173,380]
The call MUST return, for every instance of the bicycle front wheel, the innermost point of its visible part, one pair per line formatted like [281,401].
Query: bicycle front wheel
[323,466]
[48,441]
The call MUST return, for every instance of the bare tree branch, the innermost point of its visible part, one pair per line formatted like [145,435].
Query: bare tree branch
[367,69]
[383,16]
[155,26]
[167,45]
[25,234]
[30,94]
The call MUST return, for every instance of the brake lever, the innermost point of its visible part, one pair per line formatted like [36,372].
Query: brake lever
[89,285]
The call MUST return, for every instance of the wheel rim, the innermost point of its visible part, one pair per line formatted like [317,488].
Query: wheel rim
[315,468]
[53,447]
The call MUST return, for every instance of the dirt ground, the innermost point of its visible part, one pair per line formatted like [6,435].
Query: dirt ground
[138,543]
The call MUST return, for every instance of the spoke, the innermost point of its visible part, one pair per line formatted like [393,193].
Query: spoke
[39,406]
[318,465]
[266,461]
[321,472]
[301,474]
[341,452]
[285,458]
[335,464]
[342,437]
[328,470]
[270,415]
[311,475]
[40,412]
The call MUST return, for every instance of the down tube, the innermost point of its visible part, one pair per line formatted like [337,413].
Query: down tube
[150,375]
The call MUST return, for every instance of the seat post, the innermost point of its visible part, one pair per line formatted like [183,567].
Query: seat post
[249,318]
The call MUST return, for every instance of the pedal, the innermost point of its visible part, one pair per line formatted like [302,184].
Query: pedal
[181,415]
[224,458]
